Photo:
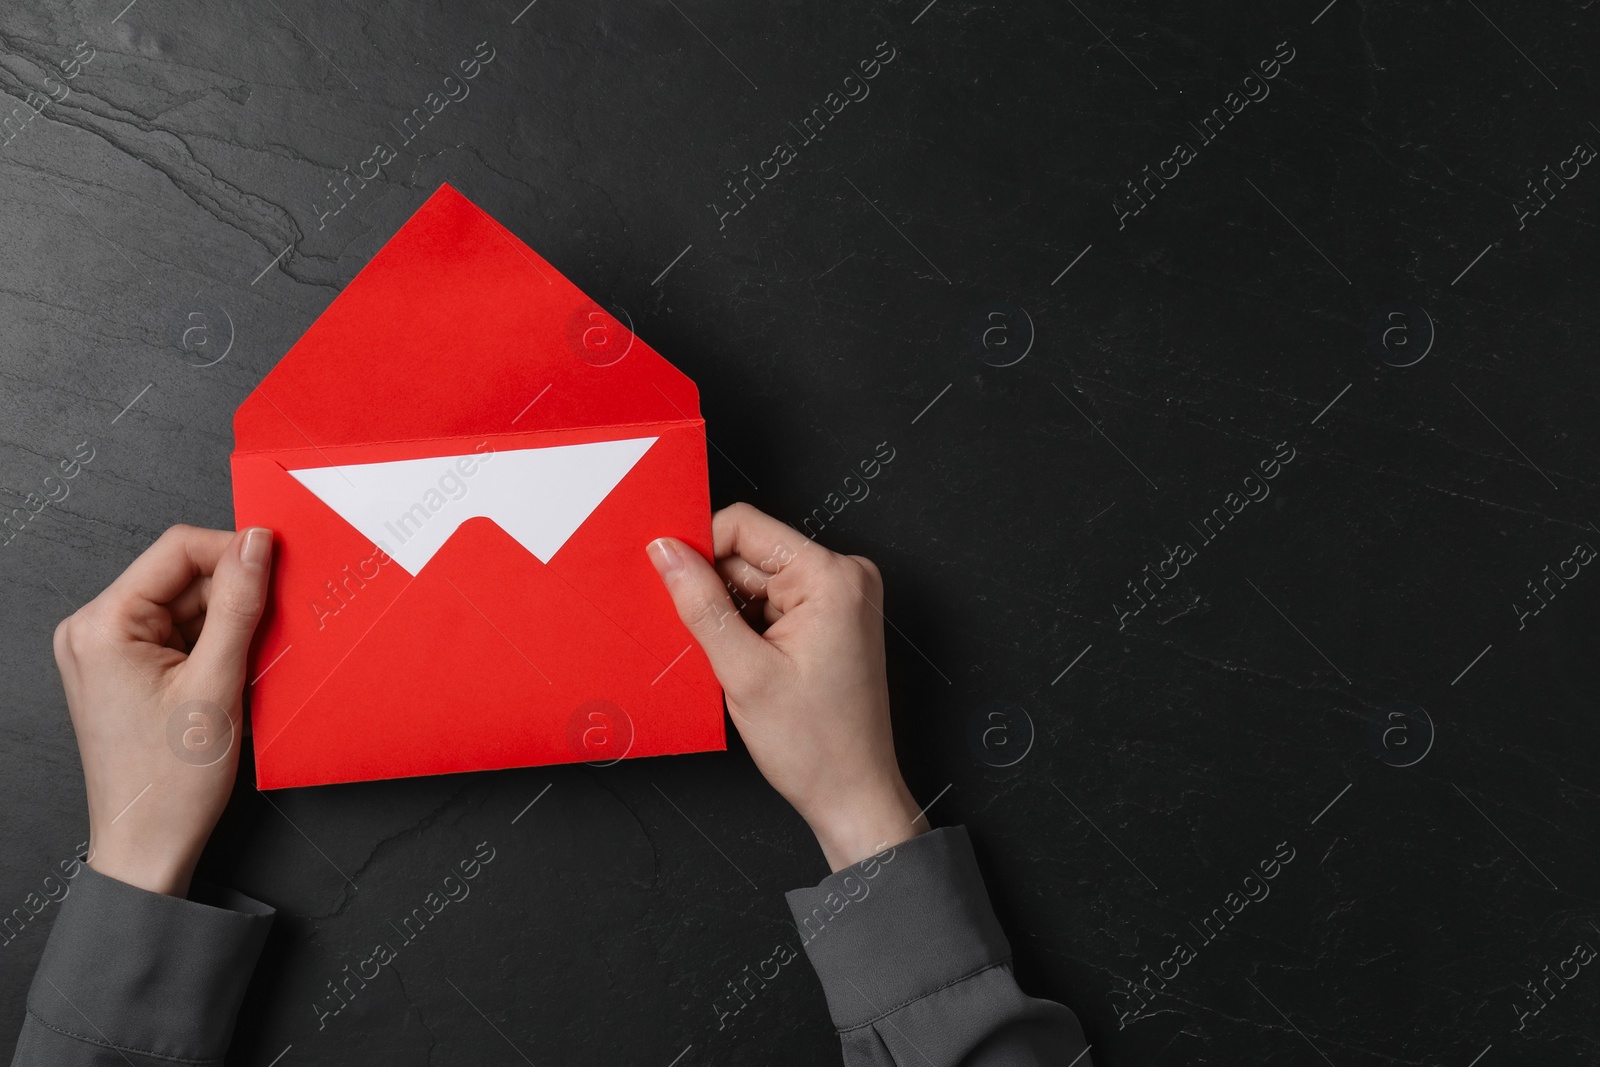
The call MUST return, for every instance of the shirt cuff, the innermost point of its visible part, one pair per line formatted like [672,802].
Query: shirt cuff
[156,975]
[899,926]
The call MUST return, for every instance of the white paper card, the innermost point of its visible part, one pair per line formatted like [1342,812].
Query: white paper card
[540,496]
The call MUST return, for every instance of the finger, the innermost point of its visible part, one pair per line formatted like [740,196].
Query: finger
[773,547]
[745,532]
[770,613]
[238,595]
[737,653]
[866,579]
[191,603]
[166,567]
[749,582]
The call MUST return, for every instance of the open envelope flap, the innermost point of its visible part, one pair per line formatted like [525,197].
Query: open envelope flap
[512,664]
[458,329]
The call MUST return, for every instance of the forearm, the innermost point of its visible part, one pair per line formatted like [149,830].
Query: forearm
[916,969]
[134,977]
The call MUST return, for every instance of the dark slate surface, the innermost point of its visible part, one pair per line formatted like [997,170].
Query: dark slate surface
[1054,434]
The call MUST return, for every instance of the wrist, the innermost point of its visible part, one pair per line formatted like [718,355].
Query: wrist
[865,826]
[145,869]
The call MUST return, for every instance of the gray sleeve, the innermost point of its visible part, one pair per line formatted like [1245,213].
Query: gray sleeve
[131,978]
[916,969]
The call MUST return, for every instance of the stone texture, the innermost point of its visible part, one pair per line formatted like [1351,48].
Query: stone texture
[1071,441]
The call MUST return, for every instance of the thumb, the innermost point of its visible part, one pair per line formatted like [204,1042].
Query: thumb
[238,596]
[735,650]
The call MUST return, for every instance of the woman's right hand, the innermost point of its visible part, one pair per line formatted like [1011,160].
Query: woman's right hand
[806,686]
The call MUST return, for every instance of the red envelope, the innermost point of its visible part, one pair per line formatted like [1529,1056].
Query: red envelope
[463,460]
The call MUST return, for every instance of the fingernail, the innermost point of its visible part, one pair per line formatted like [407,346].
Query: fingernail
[257,550]
[664,555]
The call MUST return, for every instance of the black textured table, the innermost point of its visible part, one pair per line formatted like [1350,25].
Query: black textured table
[1229,376]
